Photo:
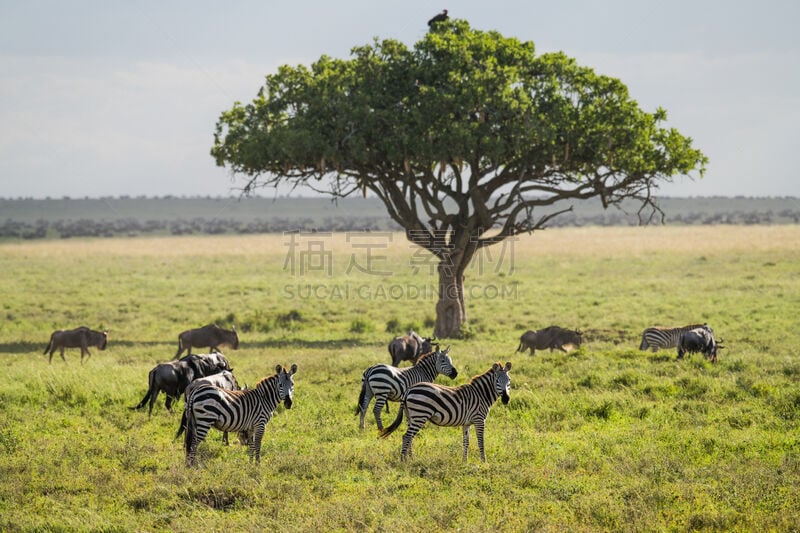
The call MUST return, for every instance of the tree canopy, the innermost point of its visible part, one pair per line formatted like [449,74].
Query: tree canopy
[462,137]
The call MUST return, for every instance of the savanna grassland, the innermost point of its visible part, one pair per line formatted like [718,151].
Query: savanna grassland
[604,438]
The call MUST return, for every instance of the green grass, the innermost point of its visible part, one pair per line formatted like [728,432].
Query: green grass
[603,438]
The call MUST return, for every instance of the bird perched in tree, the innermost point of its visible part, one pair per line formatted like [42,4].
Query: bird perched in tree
[441,17]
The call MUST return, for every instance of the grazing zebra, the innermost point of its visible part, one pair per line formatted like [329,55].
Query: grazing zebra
[452,406]
[657,337]
[386,382]
[236,410]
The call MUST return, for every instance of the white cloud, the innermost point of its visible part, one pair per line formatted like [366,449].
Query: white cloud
[138,128]
[740,109]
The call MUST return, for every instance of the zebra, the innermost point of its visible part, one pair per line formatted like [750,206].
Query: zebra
[386,382]
[658,337]
[236,410]
[463,406]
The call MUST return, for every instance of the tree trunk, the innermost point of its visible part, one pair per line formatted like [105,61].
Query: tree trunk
[451,313]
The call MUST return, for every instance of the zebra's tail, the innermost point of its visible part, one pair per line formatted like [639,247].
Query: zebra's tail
[361,395]
[182,427]
[191,427]
[643,345]
[396,424]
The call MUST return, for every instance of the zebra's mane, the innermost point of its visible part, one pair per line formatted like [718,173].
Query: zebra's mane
[690,326]
[262,380]
[476,378]
[423,356]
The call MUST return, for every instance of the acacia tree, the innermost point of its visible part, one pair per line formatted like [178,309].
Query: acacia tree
[464,138]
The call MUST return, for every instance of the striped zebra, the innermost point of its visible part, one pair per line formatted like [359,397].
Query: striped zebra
[657,337]
[236,410]
[464,406]
[386,382]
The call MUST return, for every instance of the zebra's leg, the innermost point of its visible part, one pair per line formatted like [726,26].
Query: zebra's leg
[380,401]
[198,436]
[191,450]
[255,444]
[465,430]
[413,429]
[479,425]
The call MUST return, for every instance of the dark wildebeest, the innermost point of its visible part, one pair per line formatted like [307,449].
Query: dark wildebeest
[81,337]
[552,337]
[223,380]
[409,347]
[211,335]
[699,340]
[174,376]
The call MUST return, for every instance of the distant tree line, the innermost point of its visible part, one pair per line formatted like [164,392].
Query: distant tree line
[85,227]
[619,218]
[66,229]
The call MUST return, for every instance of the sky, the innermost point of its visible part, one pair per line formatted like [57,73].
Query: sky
[110,98]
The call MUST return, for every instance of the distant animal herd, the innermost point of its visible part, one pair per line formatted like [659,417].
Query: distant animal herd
[214,399]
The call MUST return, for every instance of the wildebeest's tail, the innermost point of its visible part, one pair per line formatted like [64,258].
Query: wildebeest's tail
[521,346]
[49,344]
[180,347]
[396,424]
[150,390]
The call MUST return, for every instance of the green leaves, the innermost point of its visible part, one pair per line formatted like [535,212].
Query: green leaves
[462,109]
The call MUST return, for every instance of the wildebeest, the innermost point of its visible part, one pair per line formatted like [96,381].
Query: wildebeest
[174,376]
[409,347]
[223,380]
[211,335]
[699,340]
[552,337]
[81,337]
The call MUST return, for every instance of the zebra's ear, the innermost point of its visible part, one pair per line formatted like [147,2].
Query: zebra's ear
[278,369]
[496,367]
[508,366]
[294,369]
